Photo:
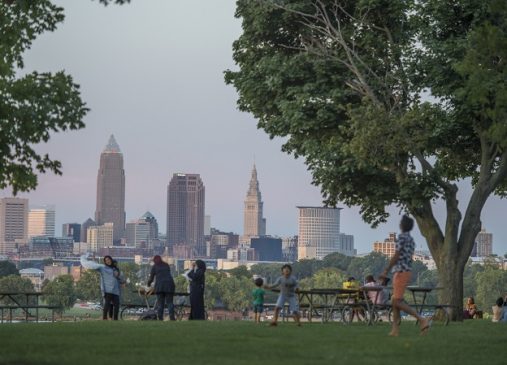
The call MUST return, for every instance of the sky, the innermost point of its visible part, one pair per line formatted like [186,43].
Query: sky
[152,74]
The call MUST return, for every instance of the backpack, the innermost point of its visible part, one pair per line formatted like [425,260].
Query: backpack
[149,315]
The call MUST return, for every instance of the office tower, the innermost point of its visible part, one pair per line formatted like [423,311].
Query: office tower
[72,230]
[100,236]
[111,190]
[387,246]
[141,233]
[319,233]
[84,229]
[13,223]
[254,222]
[290,249]
[41,222]
[185,212]
[267,248]
[483,244]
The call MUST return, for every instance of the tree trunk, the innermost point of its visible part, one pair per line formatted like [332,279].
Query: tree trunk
[450,275]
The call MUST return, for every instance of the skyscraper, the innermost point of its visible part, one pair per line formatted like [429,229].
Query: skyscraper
[13,223]
[100,236]
[41,222]
[319,233]
[72,230]
[141,233]
[185,212]
[254,222]
[483,246]
[111,190]
[84,229]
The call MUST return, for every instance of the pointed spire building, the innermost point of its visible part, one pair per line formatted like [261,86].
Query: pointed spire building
[111,190]
[254,222]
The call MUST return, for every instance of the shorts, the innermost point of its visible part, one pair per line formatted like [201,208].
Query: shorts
[258,308]
[400,282]
[293,303]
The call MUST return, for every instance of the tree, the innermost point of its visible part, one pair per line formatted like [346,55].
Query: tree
[8,268]
[491,284]
[344,83]
[235,292]
[88,286]
[35,105]
[16,284]
[60,292]
[371,264]
[240,271]
[324,279]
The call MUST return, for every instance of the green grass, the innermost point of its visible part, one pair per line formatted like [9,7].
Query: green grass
[133,342]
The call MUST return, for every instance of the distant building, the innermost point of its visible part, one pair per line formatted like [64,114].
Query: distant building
[386,247]
[319,233]
[100,236]
[54,247]
[290,249]
[41,222]
[51,272]
[254,222]
[72,230]
[347,244]
[184,251]
[13,223]
[267,248]
[75,272]
[483,246]
[185,213]
[35,276]
[111,190]
[84,229]
[220,242]
[242,254]
[425,258]
[142,232]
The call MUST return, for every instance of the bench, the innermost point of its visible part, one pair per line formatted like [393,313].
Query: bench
[26,309]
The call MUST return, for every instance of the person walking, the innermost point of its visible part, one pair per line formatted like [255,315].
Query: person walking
[109,283]
[164,287]
[197,280]
[401,266]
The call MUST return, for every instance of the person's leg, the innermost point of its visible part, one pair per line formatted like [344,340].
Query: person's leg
[160,306]
[169,298]
[279,305]
[294,309]
[111,307]
[116,307]
[106,306]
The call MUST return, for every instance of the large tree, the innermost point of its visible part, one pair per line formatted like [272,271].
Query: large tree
[33,105]
[389,103]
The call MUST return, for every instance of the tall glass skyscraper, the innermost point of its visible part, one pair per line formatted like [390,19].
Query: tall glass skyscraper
[111,190]
[185,212]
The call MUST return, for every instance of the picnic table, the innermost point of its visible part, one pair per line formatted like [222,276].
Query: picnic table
[439,310]
[24,304]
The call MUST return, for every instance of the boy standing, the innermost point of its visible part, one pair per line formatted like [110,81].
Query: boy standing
[258,303]
[288,287]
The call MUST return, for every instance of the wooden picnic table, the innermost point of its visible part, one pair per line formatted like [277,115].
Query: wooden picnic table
[25,305]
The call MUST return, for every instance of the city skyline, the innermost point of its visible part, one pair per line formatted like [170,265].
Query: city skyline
[159,89]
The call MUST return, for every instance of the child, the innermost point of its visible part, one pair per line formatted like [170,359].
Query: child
[258,303]
[288,287]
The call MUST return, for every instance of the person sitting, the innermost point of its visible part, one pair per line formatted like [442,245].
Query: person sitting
[470,309]
[376,297]
[498,310]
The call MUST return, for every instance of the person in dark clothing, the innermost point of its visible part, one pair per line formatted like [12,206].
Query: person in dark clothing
[197,279]
[114,305]
[164,287]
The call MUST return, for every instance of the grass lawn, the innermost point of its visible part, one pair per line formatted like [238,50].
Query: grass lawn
[228,342]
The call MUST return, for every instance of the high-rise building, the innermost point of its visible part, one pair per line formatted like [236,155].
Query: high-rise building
[84,229]
[111,190]
[185,212]
[387,246]
[267,248]
[254,222]
[483,246]
[72,230]
[142,232]
[319,233]
[13,223]
[290,249]
[100,236]
[41,222]
[219,243]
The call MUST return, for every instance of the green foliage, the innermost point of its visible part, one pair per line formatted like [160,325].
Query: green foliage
[60,292]
[327,278]
[236,293]
[491,284]
[88,286]
[8,268]
[15,284]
